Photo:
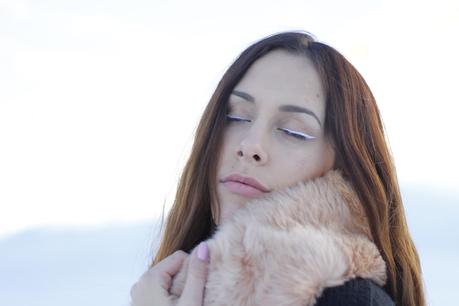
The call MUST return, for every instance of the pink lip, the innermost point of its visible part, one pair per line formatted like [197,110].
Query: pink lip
[246,186]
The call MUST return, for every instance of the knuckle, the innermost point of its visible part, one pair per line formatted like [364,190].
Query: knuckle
[148,278]
[147,275]
[153,277]
[179,254]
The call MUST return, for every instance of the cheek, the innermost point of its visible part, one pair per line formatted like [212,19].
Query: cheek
[310,167]
[301,165]
[224,150]
[317,162]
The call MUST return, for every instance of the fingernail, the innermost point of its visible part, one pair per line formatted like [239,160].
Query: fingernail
[203,251]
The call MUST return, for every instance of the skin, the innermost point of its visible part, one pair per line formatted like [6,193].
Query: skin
[258,145]
[153,286]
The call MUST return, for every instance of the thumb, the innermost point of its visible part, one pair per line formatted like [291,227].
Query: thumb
[193,292]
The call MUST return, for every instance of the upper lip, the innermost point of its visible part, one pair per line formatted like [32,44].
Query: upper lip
[245,180]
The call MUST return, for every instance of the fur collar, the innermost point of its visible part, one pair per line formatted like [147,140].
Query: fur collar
[285,249]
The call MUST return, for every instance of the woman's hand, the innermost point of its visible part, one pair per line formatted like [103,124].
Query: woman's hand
[152,289]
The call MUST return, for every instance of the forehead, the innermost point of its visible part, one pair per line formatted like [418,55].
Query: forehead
[281,77]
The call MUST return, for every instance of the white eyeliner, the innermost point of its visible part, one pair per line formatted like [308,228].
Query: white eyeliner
[300,134]
[290,131]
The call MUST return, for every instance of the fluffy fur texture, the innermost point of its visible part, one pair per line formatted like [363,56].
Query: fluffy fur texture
[285,249]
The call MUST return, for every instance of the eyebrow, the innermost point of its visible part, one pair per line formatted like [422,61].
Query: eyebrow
[283,108]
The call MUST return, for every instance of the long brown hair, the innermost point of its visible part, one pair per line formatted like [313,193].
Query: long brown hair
[354,125]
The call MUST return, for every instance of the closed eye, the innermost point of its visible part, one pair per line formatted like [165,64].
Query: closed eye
[296,134]
[236,118]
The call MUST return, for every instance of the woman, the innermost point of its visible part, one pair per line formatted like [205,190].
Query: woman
[289,110]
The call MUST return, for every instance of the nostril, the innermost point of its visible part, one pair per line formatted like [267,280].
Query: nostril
[257,158]
[239,153]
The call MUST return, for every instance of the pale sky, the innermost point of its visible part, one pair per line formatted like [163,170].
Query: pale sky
[99,100]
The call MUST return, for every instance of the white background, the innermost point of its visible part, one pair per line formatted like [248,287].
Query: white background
[99,101]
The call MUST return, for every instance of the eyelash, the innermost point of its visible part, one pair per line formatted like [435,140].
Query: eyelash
[294,134]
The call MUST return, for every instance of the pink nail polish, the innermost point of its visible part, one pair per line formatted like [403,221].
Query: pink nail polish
[203,251]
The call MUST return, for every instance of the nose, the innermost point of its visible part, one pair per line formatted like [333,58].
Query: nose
[252,151]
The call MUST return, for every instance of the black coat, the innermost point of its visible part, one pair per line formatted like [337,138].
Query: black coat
[356,292]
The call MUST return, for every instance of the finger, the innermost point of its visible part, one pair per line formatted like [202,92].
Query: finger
[172,264]
[169,266]
[193,291]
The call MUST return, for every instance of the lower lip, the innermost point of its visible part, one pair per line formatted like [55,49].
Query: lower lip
[242,189]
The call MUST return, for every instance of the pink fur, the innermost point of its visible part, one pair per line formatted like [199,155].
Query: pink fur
[285,249]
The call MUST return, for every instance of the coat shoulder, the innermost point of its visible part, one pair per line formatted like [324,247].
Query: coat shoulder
[355,292]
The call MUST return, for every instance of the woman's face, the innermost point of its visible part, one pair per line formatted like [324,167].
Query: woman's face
[274,131]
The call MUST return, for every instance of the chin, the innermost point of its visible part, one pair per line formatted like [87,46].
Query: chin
[229,207]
